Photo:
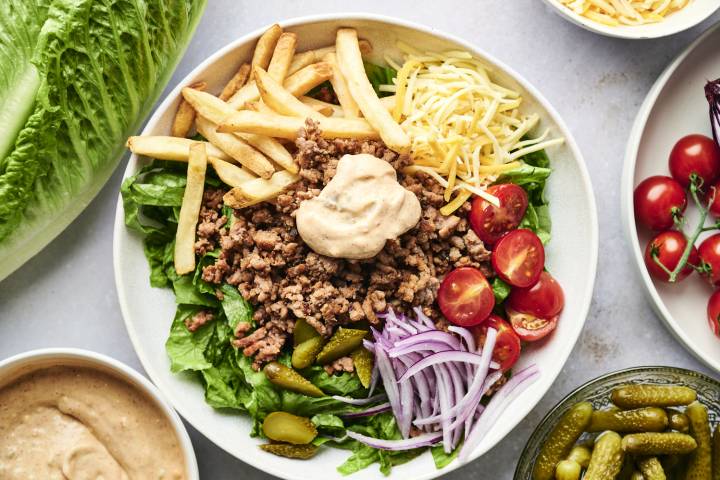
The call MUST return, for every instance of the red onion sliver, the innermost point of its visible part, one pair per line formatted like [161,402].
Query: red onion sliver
[466,335]
[359,401]
[430,336]
[443,357]
[383,407]
[424,440]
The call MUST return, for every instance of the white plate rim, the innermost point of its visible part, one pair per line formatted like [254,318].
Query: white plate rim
[627,211]
[585,301]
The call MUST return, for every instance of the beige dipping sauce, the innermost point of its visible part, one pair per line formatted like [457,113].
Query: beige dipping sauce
[361,208]
[77,423]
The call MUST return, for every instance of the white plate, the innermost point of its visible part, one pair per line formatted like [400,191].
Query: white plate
[674,107]
[688,17]
[572,257]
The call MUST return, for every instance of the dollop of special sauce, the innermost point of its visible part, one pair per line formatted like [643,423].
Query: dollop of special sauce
[78,423]
[360,209]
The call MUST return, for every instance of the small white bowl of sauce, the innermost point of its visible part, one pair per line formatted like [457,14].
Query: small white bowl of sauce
[72,413]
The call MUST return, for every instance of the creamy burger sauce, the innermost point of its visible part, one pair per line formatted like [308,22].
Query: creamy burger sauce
[77,423]
[361,208]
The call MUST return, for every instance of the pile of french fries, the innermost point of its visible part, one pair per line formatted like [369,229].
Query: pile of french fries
[262,107]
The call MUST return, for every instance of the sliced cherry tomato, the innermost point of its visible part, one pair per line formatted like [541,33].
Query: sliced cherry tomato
[713,311]
[529,327]
[545,299]
[668,247]
[519,258]
[490,222]
[696,154]
[507,344]
[657,200]
[714,206]
[709,253]
[465,297]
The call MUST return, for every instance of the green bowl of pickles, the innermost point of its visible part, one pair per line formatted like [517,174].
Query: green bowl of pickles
[641,423]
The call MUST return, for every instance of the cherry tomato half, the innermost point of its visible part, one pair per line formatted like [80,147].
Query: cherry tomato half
[545,299]
[465,297]
[714,206]
[656,201]
[490,222]
[709,253]
[668,247]
[529,327]
[519,257]
[507,344]
[713,311]
[695,154]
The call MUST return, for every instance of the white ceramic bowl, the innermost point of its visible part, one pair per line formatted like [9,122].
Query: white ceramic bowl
[15,366]
[688,17]
[674,107]
[572,256]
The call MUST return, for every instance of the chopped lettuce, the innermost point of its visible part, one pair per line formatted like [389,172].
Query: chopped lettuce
[379,75]
[76,78]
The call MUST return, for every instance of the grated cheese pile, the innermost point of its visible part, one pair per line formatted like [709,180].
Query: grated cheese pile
[625,12]
[465,129]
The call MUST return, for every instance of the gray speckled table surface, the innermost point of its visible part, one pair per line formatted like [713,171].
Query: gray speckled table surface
[65,296]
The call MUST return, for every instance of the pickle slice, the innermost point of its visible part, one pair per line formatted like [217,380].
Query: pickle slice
[289,379]
[303,331]
[302,452]
[304,354]
[286,427]
[344,341]
[364,362]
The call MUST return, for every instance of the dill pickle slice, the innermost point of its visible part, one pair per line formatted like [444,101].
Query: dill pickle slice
[568,470]
[302,452]
[304,354]
[581,455]
[659,443]
[716,453]
[289,379]
[303,331]
[344,341]
[678,421]
[649,419]
[699,466]
[651,468]
[286,427]
[607,458]
[364,362]
[638,396]
[561,440]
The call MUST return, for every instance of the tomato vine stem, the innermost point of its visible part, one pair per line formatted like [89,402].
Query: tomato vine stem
[695,185]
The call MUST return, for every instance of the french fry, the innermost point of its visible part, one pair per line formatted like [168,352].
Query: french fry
[265,46]
[190,210]
[215,110]
[351,65]
[303,59]
[238,149]
[185,115]
[259,190]
[237,81]
[282,56]
[327,109]
[170,148]
[288,127]
[299,83]
[340,86]
[230,174]
[279,99]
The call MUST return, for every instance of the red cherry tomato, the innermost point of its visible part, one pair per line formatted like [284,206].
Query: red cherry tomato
[709,253]
[490,222]
[519,257]
[713,312]
[695,154]
[507,343]
[465,297]
[714,207]
[529,327]
[668,248]
[656,200]
[545,299]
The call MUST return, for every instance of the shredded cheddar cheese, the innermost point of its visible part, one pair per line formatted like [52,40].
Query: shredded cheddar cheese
[625,12]
[465,129]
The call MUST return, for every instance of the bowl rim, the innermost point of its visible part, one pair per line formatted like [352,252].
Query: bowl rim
[636,33]
[626,198]
[606,376]
[125,373]
[584,302]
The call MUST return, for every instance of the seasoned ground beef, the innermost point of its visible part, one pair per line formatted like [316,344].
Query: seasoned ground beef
[263,255]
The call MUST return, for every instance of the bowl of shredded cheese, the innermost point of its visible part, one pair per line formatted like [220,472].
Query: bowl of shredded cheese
[636,19]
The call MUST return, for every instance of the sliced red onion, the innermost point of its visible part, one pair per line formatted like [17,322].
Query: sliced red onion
[424,440]
[389,382]
[444,357]
[383,407]
[466,335]
[498,403]
[445,402]
[428,346]
[430,336]
[360,401]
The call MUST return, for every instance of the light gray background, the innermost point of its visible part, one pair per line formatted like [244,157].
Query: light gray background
[65,296]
